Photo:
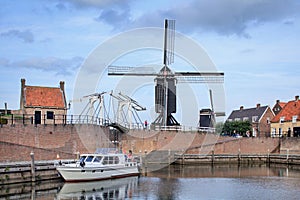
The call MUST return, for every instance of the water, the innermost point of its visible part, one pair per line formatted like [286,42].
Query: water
[188,182]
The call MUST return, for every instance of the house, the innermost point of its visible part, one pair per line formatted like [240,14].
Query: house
[278,106]
[259,117]
[44,105]
[287,121]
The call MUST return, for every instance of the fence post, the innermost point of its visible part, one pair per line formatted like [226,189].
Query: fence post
[239,156]
[287,156]
[32,167]
[23,119]
[268,158]
[12,119]
[212,157]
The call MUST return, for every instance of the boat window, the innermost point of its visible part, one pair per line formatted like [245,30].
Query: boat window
[111,160]
[89,159]
[105,160]
[82,158]
[97,158]
[117,160]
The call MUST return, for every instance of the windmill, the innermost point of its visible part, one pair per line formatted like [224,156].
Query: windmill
[166,79]
[207,118]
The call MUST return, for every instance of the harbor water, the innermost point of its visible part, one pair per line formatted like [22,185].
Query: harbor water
[178,182]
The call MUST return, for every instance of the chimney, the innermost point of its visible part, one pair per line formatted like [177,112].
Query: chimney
[5,107]
[22,97]
[278,101]
[242,107]
[62,85]
[258,105]
[297,97]
[23,83]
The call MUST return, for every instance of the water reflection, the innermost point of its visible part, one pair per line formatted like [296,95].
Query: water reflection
[175,182]
[232,171]
[106,189]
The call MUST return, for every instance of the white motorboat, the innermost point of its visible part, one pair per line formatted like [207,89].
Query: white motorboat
[98,166]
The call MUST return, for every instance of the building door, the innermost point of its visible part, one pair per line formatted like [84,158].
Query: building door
[296,131]
[37,117]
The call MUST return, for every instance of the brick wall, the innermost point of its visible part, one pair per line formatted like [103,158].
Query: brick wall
[196,143]
[46,142]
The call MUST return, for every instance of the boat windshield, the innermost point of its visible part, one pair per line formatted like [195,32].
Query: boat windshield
[89,159]
[82,158]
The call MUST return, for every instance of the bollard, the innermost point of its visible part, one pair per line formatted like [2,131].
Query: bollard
[32,167]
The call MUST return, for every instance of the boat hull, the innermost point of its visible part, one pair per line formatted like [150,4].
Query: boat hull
[77,174]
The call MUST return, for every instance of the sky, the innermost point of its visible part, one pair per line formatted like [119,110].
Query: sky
[256,43]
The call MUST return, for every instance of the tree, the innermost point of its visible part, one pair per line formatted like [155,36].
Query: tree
[240,127]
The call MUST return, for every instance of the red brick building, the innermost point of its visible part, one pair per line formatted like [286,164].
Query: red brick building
[46,105]
[287,121]
[259,117]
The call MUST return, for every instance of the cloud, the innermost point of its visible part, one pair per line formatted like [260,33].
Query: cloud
[48,64]
[230,17]
[26,36]
[112,12]
[97,3]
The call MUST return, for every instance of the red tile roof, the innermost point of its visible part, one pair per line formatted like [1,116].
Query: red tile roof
[282,104]
[44,97]
[290,109]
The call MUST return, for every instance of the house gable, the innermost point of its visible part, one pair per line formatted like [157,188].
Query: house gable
[278,106]
[291,109]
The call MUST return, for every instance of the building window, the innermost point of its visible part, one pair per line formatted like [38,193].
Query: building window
[280,132]
[50,115]
[237,119]
[294,119]
[273,134]
[254,118]
[230,120]
[268,120]
[245,119]
[281,120]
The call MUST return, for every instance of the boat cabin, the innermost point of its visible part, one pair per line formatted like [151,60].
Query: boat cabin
[102,159]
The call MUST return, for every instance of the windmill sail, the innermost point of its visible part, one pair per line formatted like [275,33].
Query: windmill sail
[169,42]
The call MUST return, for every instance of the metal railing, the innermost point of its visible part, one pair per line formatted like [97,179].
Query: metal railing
[25,119]
[54,120]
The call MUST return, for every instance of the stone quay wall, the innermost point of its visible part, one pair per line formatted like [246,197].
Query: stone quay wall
[49,142]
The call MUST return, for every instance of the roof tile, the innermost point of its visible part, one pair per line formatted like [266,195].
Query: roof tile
[44,97]
[292,108]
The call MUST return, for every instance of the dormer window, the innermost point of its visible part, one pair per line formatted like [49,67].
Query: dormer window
[245,119]
[294,119]
[254,118]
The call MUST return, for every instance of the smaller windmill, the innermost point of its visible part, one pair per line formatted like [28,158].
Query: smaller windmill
[166,79]
[207,118]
